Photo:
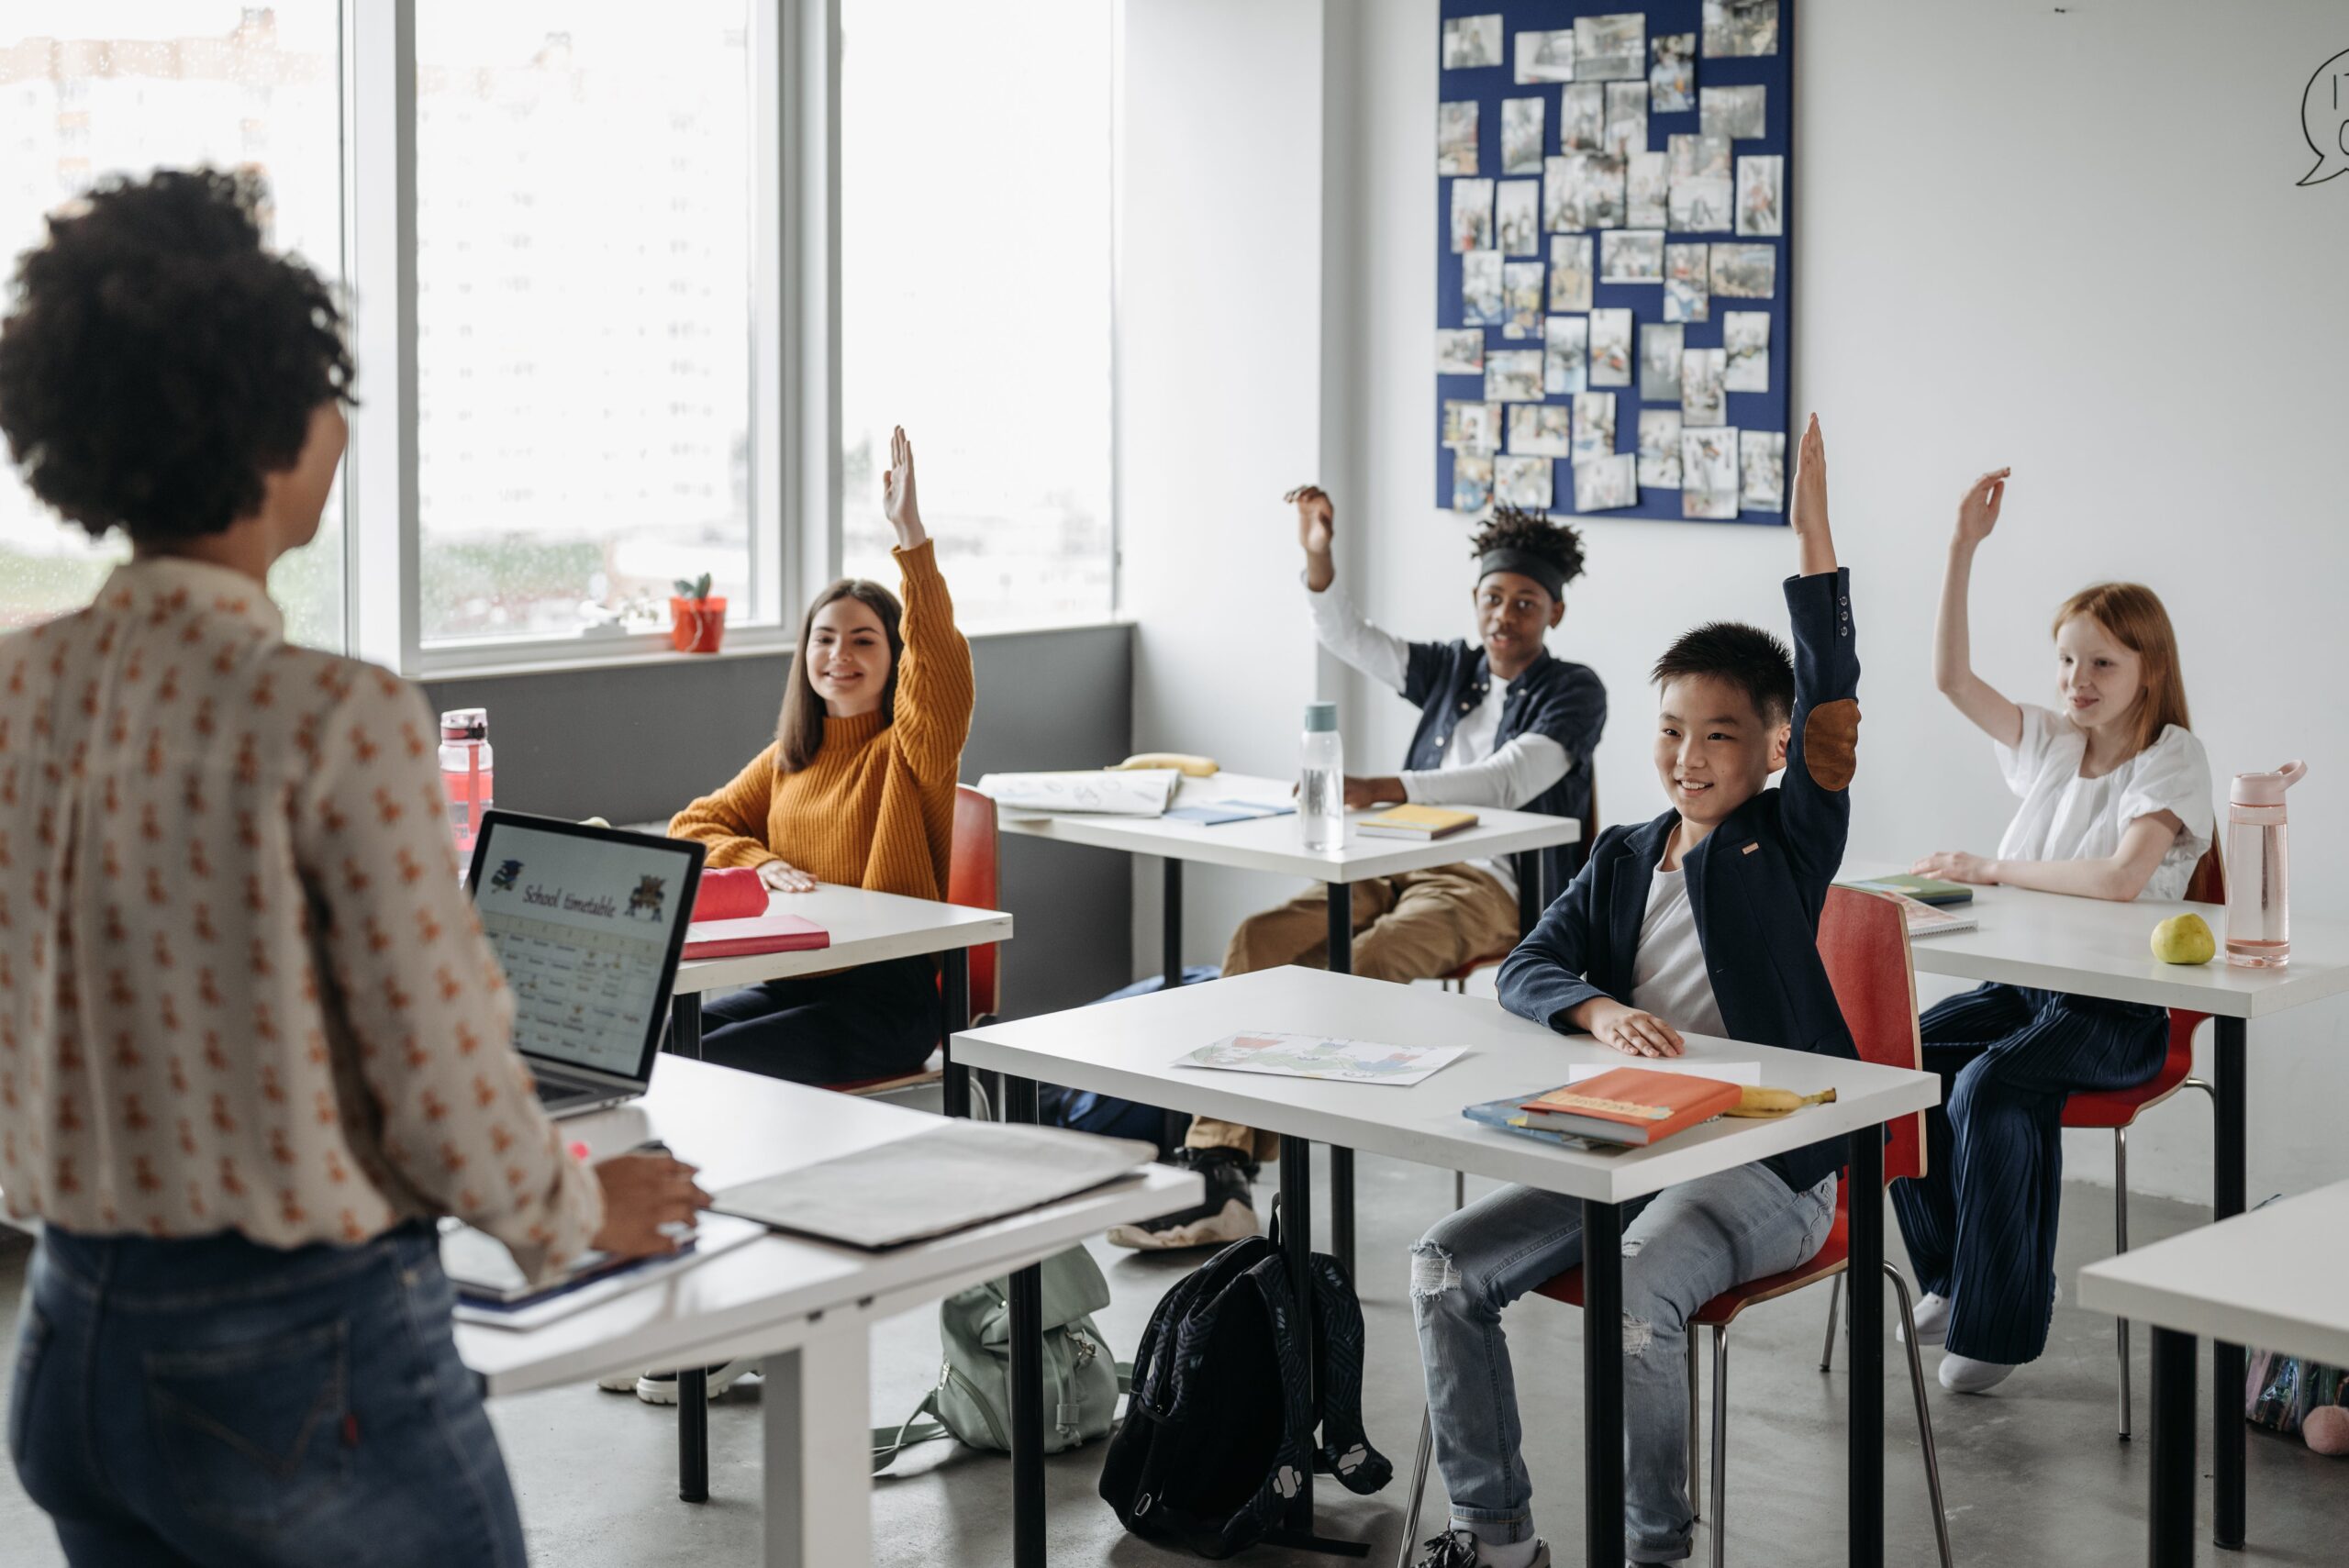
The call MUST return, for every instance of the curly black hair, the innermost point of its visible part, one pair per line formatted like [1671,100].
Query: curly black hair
[1557,543]
[158,362]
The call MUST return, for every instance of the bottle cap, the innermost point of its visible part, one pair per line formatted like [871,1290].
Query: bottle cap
[2266,789]
[1321,718]
[465,724]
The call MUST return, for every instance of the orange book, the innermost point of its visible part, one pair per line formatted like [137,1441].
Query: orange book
[1631,1105]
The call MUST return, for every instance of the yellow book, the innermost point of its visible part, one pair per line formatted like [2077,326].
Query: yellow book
[1417,822]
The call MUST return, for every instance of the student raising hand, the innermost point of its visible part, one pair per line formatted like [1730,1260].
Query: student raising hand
[1315,519]
[897,493]
[1978,510]
[1808,512]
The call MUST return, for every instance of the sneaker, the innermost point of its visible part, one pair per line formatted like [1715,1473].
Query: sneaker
[1931,1315]
[1457,1548]
[661,1387]
[1964,1374]
[1229,1213]
[620,1382]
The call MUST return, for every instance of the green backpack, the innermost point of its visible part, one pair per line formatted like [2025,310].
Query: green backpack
[972,1399]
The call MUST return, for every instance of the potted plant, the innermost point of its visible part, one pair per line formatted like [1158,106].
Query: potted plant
[697,621]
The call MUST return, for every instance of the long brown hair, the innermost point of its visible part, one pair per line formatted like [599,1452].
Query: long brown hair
[2133,612]
[799,732]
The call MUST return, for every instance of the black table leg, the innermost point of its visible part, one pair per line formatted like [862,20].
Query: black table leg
[1170,922]
[954,1003]
[1296,1246]
[2227,1201]
[1341,1161]
[1027,1376]
[685,1024]
[1865,1278]
[1529,890]
[1602,1383]
[2170,1508]
[693,1435]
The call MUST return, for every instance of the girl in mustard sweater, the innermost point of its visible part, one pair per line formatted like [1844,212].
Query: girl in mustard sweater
[857,789]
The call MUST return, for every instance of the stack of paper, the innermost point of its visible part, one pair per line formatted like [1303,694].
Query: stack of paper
[1144,792]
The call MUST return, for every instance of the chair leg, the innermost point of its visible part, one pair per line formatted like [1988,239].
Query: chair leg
[2121,1244]
[1720,1446]
[1690,1339]
[1419,1490]
[1460,1189]
[1924,1414]
[1835,1299]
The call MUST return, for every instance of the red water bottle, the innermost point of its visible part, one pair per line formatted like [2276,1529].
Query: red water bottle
[465,773]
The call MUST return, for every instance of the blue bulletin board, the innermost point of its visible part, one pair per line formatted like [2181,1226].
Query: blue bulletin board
[1682,212]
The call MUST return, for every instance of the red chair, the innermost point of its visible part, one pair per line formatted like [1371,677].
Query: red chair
[1457,980]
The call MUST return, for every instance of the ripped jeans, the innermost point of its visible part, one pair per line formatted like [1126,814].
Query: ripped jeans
[1681,1248]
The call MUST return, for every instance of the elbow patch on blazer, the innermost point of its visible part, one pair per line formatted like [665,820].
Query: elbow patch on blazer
[1831,739]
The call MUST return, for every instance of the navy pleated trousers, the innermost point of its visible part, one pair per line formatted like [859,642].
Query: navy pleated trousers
[1980,1223]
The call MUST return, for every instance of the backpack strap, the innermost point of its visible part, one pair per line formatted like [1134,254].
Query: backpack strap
[888,1442]
[1337,1343]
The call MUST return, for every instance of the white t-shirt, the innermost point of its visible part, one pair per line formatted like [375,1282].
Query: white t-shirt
[2066,818]
[1668,974]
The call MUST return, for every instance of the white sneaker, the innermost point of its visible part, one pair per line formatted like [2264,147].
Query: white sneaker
[619,1383]
[1931,1316]
[1964,1374]
[661,1387]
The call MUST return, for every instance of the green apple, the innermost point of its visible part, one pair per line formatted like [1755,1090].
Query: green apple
[2185,939]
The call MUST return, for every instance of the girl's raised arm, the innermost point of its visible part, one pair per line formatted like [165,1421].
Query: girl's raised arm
[1991,711]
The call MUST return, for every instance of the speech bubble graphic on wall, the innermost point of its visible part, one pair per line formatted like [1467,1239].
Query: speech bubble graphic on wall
[2324,118]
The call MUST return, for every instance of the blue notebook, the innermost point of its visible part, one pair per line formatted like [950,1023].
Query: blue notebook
[1508,1115]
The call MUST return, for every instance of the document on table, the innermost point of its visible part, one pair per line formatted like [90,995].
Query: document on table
[1727,1071]
[1318,1056]
[1142,792]
[492,1291]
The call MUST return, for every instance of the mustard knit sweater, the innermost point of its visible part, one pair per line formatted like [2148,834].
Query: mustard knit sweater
[875,810]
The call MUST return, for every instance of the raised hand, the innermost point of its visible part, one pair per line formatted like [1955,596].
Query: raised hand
[1978,510]
[897,492]
[1808,511]
[1315,519]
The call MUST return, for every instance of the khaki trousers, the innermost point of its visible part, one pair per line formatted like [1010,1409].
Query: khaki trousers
[1421,925]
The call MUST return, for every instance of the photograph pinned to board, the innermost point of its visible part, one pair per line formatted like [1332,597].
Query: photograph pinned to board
[1517,211]
[1593,426]
[1459,351]
[1513,375]
[1647,190]
[1687,295]
[1522,481]
[1610,347]
[1607,483]
[1627,118]
[1739,29]
[1660,351]
[1709,472]
[1672,73]
[1480,288]
[1746,340]
[1744,272]
[1737,113]
[1456,139]
[1582,118]
[1762,457]
[1471,216]
[1566,353]
[1471,482]
[1701,199]
[1571,272]
[1314,1056]
[1701,399]
[1522,136]
[1761,192]
[1472,427]
[1545,57]
[1472,41]
[1540,429]
[1522,299]
[1630,256]
[1660,449]
[1613,48]
[1594,196]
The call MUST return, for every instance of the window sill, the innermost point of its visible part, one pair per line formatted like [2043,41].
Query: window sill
[630,653]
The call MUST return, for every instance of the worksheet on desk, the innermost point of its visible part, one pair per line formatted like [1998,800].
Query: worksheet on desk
[1320,1056]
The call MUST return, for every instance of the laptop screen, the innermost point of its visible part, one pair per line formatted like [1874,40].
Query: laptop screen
[588,923]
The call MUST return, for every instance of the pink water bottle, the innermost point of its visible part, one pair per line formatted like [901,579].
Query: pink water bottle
[465,773]
[2259,932]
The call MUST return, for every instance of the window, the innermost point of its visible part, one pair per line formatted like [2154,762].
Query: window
[974,280]
[584,212]
[96,87]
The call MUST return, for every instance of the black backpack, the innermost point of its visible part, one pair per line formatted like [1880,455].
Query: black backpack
[1216,1438]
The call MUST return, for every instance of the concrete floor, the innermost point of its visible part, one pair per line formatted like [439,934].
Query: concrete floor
[2032,1473]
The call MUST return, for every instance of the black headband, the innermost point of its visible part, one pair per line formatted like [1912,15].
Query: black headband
[1525,562]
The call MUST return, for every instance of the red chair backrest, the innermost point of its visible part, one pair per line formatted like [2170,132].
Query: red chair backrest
[1864,942]
[2209,883]
[974,881]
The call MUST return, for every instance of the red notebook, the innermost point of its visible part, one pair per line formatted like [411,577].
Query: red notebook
[762,933]
[1631,1104]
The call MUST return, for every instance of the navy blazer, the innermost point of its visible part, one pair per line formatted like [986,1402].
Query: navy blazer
[1756,883]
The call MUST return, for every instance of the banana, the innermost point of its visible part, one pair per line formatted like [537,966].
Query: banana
[1181,762]
[1760,1102]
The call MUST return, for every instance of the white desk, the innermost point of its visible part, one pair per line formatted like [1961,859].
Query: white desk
[1128,1048]
[1276,845]
[804,1306]
[2274,1277]
[2093,947]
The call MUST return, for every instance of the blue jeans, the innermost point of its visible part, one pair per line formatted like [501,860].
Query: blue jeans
[1681,1248]
[216,1402]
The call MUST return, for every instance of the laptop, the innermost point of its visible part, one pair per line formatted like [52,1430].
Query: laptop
[589,924]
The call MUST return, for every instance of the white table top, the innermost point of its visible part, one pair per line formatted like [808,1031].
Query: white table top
[2275,1278]
[1275,843]
[1127,1048]
[865,928]
[2093,947]
[738,1126]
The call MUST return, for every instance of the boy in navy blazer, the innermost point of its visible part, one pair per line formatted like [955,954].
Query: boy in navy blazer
[1706,920]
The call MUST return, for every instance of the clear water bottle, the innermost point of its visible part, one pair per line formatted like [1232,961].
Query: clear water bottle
[1321,787]
[2259,917]
[466,776]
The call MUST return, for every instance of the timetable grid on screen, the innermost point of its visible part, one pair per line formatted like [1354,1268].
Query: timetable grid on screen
[580,996]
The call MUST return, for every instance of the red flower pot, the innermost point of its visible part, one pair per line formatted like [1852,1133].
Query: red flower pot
[696,625]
